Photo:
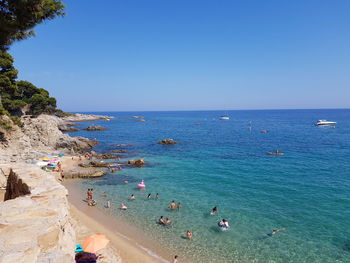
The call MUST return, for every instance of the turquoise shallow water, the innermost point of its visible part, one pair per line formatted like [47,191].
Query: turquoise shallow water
[224,164]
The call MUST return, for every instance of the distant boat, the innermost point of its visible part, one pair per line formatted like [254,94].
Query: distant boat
[224,118]
[277,152]
[325,123]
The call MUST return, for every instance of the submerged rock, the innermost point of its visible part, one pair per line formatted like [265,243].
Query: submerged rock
[139,162]
[95,128]
[94,164]
[119,151]
[167,142]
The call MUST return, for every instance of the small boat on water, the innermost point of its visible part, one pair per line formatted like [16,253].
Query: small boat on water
[325,123]
[224,117]
[277,152]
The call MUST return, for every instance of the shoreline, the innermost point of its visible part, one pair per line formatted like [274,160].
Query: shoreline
[131,245]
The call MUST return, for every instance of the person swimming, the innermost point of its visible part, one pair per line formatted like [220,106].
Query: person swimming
[167,222]
[161,220]
[132,197]
[214,211]
[275,231]
[123,207]
[223,224]
[172,205]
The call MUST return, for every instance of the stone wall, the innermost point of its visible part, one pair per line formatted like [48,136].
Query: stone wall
[36,227]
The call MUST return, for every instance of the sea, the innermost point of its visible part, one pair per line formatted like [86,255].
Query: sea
[224,163]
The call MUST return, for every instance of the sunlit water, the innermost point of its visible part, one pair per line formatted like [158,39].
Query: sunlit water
[224,164]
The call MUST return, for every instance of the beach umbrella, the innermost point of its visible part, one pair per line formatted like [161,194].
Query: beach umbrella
[95,242]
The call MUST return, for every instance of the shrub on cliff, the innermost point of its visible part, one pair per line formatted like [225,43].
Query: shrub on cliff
[15,95]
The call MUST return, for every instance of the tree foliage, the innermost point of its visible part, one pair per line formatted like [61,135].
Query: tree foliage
[19,17]
[18,94]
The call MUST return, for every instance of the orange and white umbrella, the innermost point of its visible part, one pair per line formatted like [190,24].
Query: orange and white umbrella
[94,243]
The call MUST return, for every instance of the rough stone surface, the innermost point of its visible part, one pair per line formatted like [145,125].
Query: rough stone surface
[38,137]
[36,228]
[84,173]
[95,128]
[167,142]
[139,162]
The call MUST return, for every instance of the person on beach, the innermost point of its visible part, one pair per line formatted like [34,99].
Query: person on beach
[179,205]
[214,211]
[161,220]
[189,235]
[175,259]
[156,197]
[275,231]
[108,204]
[59,165]
[123,207]
[62,175]
[89,195]
[149,196]
[172,205]
[132,197]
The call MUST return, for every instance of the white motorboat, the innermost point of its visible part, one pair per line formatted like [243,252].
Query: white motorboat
[224,118]
[325,123]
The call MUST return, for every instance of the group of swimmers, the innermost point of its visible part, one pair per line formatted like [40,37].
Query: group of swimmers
[174,206]
[166,222]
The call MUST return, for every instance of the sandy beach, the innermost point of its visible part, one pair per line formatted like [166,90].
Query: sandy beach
[125,240]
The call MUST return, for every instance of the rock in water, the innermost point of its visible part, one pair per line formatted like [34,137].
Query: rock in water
[167,142]
[95,128]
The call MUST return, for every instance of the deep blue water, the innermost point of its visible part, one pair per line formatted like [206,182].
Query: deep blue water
[224,164]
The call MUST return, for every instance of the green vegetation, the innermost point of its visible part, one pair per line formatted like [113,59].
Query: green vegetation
[19,17]
[21,97]
[17,20]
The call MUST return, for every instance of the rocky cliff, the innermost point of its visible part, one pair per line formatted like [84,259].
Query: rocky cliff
[35,226]
[38,136]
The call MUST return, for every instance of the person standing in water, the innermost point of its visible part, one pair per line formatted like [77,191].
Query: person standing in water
[172,205]
[132,197]
[189,235]
[161,220]
[149,196]
[175,259]
[214,211]
[156,197]
[179,206]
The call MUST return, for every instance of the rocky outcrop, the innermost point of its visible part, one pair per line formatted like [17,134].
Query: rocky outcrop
[84,117]
[106,156]
[36,227]
[39,136]
[83,173]
[94,164]
[138,163]
[119,151]
[68,129]
[167,142]
[95,128]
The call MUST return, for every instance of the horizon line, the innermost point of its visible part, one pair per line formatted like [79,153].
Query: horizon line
[204,110]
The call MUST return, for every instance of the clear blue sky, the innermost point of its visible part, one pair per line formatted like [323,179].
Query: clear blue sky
[192,55]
